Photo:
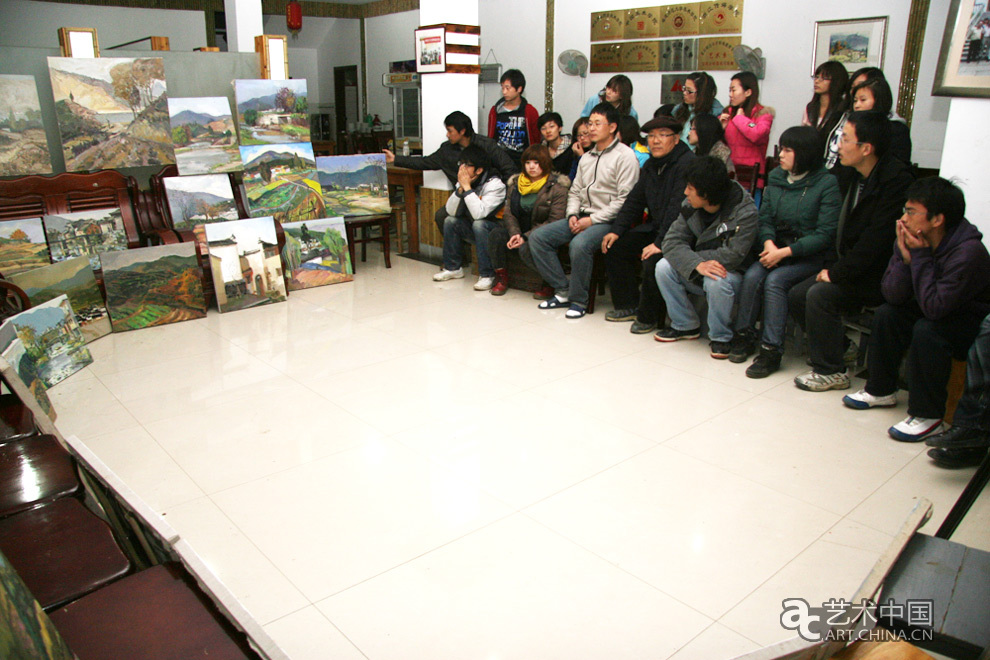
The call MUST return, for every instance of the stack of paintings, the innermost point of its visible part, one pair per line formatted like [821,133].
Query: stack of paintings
[316,254]
[245,263]
[282,182]
[272,111]
[49,347]
[23,145]
[354,185]
[112,112]
[22,246]
[73,278]
[153,286]
[204,135]
[85,234]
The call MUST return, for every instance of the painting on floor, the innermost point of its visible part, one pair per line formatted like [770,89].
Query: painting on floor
[204,135]
[153,286]
[199,200]
[354,185]
[85,234]
[22,246]
[23,146]
[52,342]
[246,266]
[112,112]
[272,111]
[315,253]
[73,278]
[25,629]
[282,182]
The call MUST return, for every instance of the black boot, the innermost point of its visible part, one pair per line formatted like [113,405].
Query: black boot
[743,345]
[765,363]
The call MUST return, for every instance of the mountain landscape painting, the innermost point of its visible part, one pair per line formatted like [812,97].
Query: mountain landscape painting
[23,145]
[203,135]
[22,246]
[354,185]
[73,278]
[272,111]
[315,253]
[849,47]
[282,182]
[112,112]
[245,263]
[199,200]
[54,348]
[153,286]
[85,234]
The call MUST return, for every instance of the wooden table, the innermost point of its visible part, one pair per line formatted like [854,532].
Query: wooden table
[410,180]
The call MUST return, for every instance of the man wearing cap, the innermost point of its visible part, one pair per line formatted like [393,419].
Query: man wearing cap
[659,194]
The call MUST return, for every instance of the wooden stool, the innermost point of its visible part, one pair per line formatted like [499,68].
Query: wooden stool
[363,222]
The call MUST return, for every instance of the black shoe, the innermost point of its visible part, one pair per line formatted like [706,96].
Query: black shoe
[765,363]
[640,328]
[957,458]
[960,437]
[743,345]
[720,349]
[669,334]
[621,315]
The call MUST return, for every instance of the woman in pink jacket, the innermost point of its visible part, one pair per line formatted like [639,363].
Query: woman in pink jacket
[747,125]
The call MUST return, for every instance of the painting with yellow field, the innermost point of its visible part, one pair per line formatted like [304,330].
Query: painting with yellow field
[354,185]
[22,246]
[282,182]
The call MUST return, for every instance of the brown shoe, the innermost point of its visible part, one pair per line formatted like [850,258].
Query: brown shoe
[501,282]
[545,292]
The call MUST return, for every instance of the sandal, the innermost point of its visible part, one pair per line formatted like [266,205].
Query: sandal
[575,311]
[553,303]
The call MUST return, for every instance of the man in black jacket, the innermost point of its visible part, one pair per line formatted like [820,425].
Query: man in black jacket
[659,192]
[874,186]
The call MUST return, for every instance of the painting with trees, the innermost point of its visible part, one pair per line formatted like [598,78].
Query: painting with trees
[23,145]
[53,346]
[272,111]
[204,135]
[354,185]
[85,234]
[112,112]
[73,278]
[199,200]
[22,246]
[316,254]
[281,181]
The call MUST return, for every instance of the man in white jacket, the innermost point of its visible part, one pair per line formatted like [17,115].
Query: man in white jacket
[471,210]
[604,178]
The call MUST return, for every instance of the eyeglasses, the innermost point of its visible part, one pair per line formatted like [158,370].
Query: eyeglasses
[846,140]
[662,135]
[597,124]
[690,91]
[820,77]
[910,212]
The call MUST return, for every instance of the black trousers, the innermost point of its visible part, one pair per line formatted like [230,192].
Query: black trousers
[974,406]
[818,308]
[930,346]
[623,264]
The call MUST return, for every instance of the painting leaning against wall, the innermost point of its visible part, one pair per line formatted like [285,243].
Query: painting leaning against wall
[22,246]
[272,111]
[245,263]
[74,278]
[204,135]
[23,145]
[85,234]
[52,341]
[316,254]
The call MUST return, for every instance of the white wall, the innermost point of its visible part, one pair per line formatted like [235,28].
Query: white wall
[966,157]
[304,56]
[388,38]
[341,47]
[30,24]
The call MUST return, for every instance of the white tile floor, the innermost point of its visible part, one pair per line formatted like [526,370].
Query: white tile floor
[395,468]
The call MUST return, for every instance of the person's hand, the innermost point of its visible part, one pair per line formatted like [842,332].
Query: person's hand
[907,241]
[822,276]
[772,258]
[577,149]
[712,269]
[389,156]
[725,117]
[649,251]
[607,241]
[578,225]
[463,178]
[515,241]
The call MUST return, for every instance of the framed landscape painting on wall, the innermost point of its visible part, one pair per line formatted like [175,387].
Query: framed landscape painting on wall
[856,42]
[272,111]
[22,246]
[354,185]
[316,253]
[964,60]
[203,135]
[73,278]
[245,263]
[281,181]
[85,234]
[23,145]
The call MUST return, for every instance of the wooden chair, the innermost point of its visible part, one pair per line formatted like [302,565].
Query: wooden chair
[16,421]
[364,223]
[34,470]
[748,177]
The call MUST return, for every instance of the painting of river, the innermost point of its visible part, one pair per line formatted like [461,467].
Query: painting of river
[52,341]
[272,111]
[203,135]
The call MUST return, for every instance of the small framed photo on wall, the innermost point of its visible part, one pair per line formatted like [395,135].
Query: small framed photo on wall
[856,42]
[431,49]
[964,59]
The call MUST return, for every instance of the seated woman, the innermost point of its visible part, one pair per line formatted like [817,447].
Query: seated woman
[875,95]
[708,139]
[630,135]
[747,125]
[559,144]
[834,137]
[699,99]
[798,220]
[534,197]
[581,136]
[618,91]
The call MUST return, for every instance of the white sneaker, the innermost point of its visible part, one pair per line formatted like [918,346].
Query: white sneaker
[445,275]
[484,283]
[862,400]
[816,382]
[915,429]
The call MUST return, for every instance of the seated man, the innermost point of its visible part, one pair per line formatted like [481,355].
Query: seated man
[966,443]
[604,178]
[937,288]
[872,184]
[704,253]
[659,193]
[471,210]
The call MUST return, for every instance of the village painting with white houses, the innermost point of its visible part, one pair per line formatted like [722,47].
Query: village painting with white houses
[85,234]
[245,263]
[272,111]
[354,185]
[52,342]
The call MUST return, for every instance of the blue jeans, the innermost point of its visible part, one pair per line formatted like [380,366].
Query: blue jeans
[720,293]
[457,229]
[775,283]
[543,244]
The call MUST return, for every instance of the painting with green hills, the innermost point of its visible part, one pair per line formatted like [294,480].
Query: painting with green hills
[204,135]
[281,181]
[52,347]
[22,246]
[316,254]
[74,278]
[272,111]
[354,185]
[153,286]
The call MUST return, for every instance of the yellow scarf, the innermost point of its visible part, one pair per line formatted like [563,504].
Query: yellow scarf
[527,187]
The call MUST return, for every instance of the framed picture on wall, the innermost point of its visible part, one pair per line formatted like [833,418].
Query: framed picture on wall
[430,49]
[856,42]
[964,60]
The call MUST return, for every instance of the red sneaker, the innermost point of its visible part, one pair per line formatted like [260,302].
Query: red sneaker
[544,293]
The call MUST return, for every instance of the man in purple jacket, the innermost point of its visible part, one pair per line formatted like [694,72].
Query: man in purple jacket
[937,288]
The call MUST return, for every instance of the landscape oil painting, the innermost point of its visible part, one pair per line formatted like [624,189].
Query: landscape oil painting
[112,112]
[199,200]
[203,135]
[85,234]
[73,278]
[52,341]
[316,254]
[282,182]
[246,266]
[22,246]
[153,286]
[354,185]
[272,111]
[23,146]
[12,350]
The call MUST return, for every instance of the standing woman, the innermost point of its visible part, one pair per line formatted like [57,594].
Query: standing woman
[747,124]
[875,95]
[618,91]
[699,99]
[828,103]
[708,139]
[834,137]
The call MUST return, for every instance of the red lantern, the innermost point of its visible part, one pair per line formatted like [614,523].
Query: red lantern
[293,16]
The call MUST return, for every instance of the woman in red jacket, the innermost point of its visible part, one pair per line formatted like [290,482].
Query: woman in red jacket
[747,125]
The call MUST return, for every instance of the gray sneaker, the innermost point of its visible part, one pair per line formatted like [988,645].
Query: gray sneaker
[640,328]
[816,382]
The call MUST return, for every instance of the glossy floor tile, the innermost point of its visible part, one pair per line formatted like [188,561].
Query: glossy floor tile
[399,468]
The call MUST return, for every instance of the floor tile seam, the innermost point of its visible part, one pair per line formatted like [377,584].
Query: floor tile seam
[475,333]
[326,618]
[709,627]
[333,373]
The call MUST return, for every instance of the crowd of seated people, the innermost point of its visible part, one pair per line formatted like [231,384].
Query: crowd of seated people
[840,226]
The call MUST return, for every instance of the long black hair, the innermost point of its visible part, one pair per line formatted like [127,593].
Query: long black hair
[709,131]
[621,84]
[703,99]
[748,82]
[838,82]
